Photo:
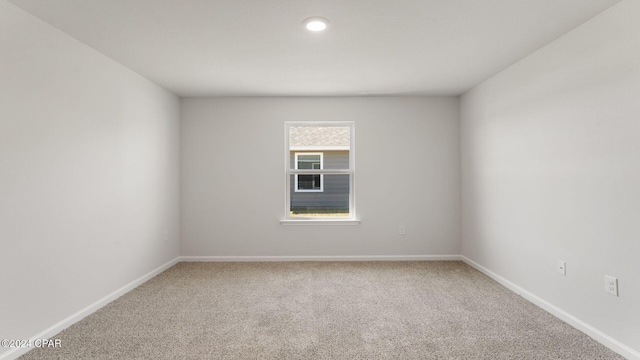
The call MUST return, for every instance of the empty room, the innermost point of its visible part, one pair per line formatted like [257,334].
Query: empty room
[297,179]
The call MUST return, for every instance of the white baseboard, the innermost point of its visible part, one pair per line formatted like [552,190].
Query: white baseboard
[596,334]
[320,258]
[49,333]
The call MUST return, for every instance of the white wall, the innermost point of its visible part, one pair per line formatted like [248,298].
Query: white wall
[88,175]
[551,170]
[232,171]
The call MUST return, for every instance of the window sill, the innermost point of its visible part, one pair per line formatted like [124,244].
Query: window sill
[320,222]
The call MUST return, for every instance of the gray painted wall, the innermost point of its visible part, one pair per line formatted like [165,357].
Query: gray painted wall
[407,173]
[88,175]
[551,171]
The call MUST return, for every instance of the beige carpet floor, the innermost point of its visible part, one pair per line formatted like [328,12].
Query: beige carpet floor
[322,310]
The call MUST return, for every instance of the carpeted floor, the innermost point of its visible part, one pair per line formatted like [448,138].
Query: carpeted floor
[322,310]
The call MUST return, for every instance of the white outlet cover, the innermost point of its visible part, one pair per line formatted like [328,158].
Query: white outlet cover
[611,285]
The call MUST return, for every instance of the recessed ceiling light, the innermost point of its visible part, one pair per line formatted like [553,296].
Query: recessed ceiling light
[316,24]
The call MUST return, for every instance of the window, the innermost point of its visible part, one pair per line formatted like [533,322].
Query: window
[310,182]
[319,172]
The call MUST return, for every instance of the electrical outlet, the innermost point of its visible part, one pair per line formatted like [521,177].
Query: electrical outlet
[611,285]
[562,267]
[166,236]
[401,230]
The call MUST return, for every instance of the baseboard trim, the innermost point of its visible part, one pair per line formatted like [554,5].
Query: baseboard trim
[594,333]
[320,258]
[49,333]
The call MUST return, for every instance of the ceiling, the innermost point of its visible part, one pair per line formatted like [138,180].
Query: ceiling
[260,47]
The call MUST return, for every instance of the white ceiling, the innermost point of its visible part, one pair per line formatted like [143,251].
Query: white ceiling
[259,47]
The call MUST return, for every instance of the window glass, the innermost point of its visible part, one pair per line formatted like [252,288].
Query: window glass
[319,163]
[332,202]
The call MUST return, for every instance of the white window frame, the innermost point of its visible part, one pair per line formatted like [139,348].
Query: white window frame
[321,175]
[292,170]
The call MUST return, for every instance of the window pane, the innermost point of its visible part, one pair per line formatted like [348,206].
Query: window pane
[309,158]
[332,201]
[336,160]
[309,182]
[308,161]
[333,142]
